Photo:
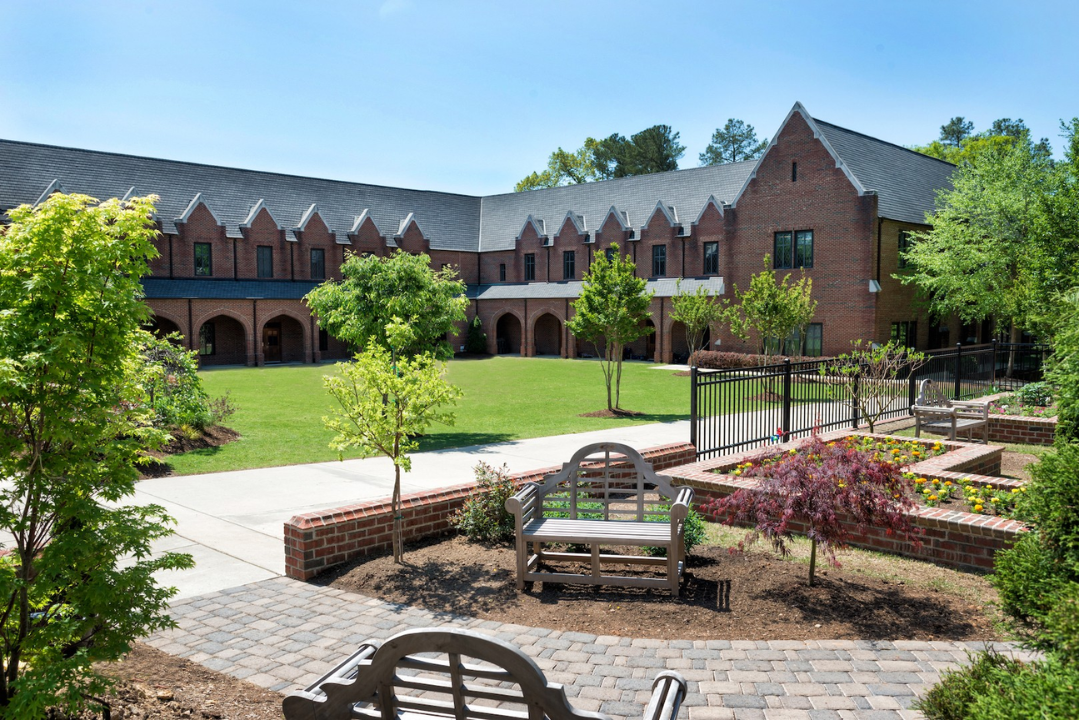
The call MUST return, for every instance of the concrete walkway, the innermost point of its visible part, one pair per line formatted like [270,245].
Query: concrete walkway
[283,634]
[232,522]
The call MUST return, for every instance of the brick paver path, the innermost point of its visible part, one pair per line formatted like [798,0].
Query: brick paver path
[283,634]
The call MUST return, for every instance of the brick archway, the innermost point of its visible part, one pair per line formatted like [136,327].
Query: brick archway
[547,334]
[222,339]
[509,333]
[284,338]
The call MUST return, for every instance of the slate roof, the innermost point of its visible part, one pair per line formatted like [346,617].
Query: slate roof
[502,216]
[450,221]
[226,289]
[662,287]
[906,181]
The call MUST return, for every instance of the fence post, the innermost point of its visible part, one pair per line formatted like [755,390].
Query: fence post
[911,386]
[855,401]
[959,351]
[993,363]
[693,405]
[785,418]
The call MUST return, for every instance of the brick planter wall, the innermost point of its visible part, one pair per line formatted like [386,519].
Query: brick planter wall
[316,541]
[951,538]
[1019,429]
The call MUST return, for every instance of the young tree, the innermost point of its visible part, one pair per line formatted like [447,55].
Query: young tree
[612,310]
[874,376]
[735,142]
[1004,239]
[564,168]
[774,309]
[697,311]
[376,292]
[818,485]
[476,338]
[385,405]
[76,586]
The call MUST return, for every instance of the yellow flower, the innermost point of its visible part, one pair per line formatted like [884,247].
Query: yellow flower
[1016,490]
[948,483]
[994,500]
[936,481]
[977,508]
[895,452]
[933,497]
[920,481]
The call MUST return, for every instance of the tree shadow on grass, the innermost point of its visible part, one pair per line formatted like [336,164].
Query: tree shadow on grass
[445,441]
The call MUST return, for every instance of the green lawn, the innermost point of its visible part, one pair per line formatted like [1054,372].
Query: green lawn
[280,408]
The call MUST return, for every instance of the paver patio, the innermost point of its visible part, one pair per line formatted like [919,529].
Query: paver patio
[283,634]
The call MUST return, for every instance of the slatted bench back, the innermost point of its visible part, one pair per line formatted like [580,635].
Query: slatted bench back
[449,673]
[605,481]
[931,396]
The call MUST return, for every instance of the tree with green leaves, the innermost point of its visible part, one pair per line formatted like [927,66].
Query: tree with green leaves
[873,376]
[76,582]
[1004,238]
[376,292]
[954,131]
[611,311]
[564,168]
[654,149]
[697,311]
[735,142]
[385,405]
[775,310]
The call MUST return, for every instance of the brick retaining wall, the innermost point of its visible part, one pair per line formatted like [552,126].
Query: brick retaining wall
[316,541]
[1024,430]
[951,538]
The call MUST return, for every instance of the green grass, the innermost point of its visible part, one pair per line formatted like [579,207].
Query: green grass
[280,408]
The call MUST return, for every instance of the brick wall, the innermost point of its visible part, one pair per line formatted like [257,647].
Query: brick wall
[1024,430]
[951,538]
[316,541]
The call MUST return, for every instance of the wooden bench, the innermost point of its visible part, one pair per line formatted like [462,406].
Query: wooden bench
[937,414]
[606,495]
[450,673]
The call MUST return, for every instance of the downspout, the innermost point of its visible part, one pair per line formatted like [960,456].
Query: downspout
[880,221]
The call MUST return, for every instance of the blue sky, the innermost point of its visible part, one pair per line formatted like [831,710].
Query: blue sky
[472,96]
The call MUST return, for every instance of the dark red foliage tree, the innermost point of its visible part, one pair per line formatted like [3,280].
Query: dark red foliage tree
[830,488]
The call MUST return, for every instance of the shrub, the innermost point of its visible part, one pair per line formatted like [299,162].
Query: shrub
[998,687]
[717,360]
[484,517]
[170,377]
[476,338]
[1037,393]
[694,533]
[824,486]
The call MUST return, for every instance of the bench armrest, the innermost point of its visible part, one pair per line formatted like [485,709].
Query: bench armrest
[310,703]
[669,690]
[681,507]
[520,501]
[972,408]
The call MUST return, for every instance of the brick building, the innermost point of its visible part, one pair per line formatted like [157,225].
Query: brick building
[240,248]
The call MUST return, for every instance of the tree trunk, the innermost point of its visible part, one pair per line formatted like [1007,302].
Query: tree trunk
[1014,338]
[607,372]
[813,559]
[395,506]
[618,372]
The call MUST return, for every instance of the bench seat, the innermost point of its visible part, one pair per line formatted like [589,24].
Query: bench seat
[613,532]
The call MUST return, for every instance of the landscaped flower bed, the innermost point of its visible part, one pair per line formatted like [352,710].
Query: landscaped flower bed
[963,494]
[1032,400]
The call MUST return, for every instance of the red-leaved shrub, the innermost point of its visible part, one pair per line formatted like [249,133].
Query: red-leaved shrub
[718,360]
[826,486]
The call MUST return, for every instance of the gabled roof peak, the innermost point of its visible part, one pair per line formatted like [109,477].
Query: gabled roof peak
[254,213]
[53,187]
[196,202]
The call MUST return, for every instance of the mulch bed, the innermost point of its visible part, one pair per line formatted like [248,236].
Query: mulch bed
[619,413]
[153,684]
[751,596]
[211,437]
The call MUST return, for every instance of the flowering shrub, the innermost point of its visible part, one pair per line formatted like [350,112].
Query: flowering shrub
[892,451]
[718,360]
[1015,404]
[483,516]
[826,485]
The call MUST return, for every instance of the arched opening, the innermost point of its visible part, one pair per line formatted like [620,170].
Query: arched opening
[508,335]
[589,349]
[547,335]
[680,345]
[282,340]
[222,341]
[644,348]
[161,327]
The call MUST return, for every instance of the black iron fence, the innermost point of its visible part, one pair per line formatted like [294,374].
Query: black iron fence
[737,408]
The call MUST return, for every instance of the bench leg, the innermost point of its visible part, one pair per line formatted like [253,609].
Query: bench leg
[673,568]
[522,561]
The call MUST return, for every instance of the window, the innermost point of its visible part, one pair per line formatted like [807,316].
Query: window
[324,340]
[659,260]
[903,242]
[264,256]
[794,171]
[797,254]
[568,265]
[712,258]
[812,340]
[203,260]
[206,339]
[609,254]
[804,249]
[806,341]
[903,333]
[782,250]
[530,267]
[502,272]
[318,264]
